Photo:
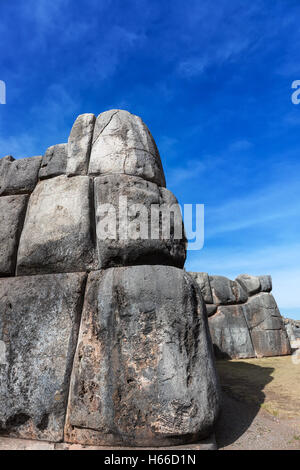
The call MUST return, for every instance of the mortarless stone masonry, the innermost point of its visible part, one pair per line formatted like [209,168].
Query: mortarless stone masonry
[116,356]
[244,319]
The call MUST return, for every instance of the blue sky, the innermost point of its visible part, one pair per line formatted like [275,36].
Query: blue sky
[213,82]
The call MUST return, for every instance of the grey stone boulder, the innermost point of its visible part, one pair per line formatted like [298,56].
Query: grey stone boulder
[292,328]
[80,144]
[226,292]
[136,242]
[18,176]
[39,322]
[12,214]
[202,280]
[251,284]
[266,326]
[5,164]
[230,334]
[144,371]
[265,283]
[58,234]
[122,144]
[290,332]
[54,161]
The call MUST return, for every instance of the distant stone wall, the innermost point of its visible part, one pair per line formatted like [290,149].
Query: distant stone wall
[102,341]
[244,319]
[293,330]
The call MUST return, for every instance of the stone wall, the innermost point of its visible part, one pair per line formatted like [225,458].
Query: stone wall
[244,319]
[102,341]
[293,331]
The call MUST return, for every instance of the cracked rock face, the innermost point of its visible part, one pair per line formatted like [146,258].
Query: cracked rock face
[58,234]
[230,334]
[140,246]
[266,326]
[143,371]
[39,322]
[12,214]
[122,144]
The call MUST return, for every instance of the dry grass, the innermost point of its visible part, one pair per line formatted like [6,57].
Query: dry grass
[272,383]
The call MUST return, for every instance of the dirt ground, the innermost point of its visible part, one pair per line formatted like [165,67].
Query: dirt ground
[261,404]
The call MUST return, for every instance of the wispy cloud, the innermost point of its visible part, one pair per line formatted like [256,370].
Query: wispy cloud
[269,204]
[24,145]
[193,169]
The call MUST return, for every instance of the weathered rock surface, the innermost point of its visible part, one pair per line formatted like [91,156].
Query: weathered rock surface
[226,292]
[230,334]
[134,243]
[251,284]
[80,144]
[292,329]
[202,280]
[5,164]
[18,176]
[265,283]
[39,322]
[58,234]
[266,326]
[122,144]
[12,214]
[143,371]
[54,161]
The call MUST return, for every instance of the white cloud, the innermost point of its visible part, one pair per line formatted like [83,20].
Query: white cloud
[24,145]
[280,200]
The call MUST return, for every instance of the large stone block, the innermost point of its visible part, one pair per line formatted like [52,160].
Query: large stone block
[39,322]
[80,144]
[266,326]
[230,334]
[226,292]
[202,280]
[18,176]
[58,234]
[143,372]
[122,143]
[265,283]
[251,284]
[54,161]
[5,164]
[119,245]
[12,214]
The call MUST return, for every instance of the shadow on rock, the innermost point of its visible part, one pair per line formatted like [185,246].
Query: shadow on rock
[242,395]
